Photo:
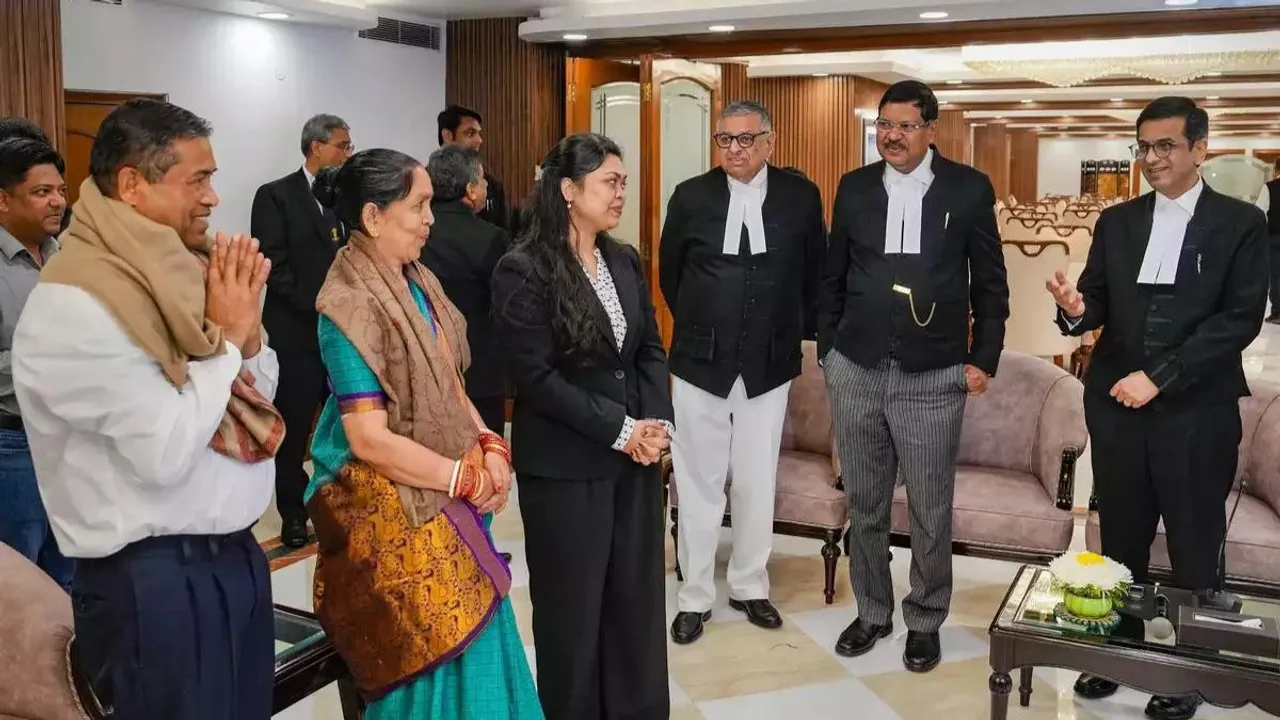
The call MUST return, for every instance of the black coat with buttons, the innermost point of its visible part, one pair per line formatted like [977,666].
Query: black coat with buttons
[741,315]
[569,409]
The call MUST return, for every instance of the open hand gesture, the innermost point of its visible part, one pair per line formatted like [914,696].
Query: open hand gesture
[1065,295]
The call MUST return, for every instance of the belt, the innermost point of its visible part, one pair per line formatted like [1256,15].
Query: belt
[11,422]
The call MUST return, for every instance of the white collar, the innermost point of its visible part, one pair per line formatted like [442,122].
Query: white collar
[757,182]
[923,172]
[1187,200]
[311,179]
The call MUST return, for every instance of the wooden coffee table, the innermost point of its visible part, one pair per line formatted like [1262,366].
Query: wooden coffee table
[306,661]
[1023,638]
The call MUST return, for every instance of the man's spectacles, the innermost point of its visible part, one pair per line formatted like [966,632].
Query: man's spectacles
[347,147]
[744,140]
[907,128]
[1162,148]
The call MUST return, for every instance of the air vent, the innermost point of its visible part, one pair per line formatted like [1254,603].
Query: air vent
[117,3]
[401,32]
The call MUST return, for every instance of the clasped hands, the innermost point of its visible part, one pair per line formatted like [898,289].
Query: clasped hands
[649,438]
[1135,389]
[496,492]
[234,280]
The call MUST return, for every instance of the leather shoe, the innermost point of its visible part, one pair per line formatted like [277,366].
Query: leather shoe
[923,653]
[1165,707]
[687,626]
[293,533]
[1274,319]
[860,637]
[760,613]
[1092,687]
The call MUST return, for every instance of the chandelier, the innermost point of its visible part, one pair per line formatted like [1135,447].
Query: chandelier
[1166,69]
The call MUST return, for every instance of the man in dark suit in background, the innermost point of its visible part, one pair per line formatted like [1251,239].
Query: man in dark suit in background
[462,252]
[300,238]
[1272,191]
[914,245]
[740,264]
[461,127]
[1162,394]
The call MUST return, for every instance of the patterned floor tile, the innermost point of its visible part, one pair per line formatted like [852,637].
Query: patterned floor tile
[739,658]
[842,700]
[958,691]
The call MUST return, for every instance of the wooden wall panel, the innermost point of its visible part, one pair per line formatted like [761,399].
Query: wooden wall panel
[951,135]
[1024,161]
[991,155]
[31,64]
[819,129]
[518,87]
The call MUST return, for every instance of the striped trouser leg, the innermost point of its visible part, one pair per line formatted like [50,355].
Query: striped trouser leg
[925,411]
[868,466]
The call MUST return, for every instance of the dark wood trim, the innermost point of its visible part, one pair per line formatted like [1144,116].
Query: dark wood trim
[932,35]
[98,97]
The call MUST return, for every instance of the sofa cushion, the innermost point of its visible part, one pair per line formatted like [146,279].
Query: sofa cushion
[805,493]
[1253,541]
[35,624]
[999,509]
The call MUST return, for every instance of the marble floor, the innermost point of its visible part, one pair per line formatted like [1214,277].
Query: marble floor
[739,672]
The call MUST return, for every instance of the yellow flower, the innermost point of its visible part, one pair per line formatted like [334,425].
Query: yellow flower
[1088,558]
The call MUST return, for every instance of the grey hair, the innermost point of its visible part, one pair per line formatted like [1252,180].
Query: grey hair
[319,128]
[749,107]
[451,170]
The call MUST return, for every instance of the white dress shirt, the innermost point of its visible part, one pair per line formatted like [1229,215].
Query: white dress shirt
[1264,199]
[906,197]
[1168,229]
[120,454]
[746,203]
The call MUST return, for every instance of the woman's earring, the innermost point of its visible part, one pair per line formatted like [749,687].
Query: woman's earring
[569,205]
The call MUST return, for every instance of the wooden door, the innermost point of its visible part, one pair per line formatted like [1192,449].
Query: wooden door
[85,111]
[581,76]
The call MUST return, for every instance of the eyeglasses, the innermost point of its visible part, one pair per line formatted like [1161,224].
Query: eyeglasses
[907,128]
[347,147]
[744,140]
[1162,148]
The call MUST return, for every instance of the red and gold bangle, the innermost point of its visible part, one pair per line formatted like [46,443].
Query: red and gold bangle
[478,490]
[492,442]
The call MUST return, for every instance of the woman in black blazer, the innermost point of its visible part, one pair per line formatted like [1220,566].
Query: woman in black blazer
[592,415]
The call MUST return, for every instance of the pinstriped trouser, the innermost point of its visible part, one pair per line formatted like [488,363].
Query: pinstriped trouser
[888,421]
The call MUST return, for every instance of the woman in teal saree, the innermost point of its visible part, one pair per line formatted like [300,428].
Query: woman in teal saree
[408,584]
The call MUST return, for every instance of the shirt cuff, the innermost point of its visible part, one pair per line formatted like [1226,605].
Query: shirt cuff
[670,428]
[1071,322]
[624,435]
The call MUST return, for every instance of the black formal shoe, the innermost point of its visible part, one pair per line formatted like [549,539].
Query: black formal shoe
[1092,687]
[760,613]
[1164,707]
[293,533]
[687,626]
[1274,319]
[923,653]
[860,637]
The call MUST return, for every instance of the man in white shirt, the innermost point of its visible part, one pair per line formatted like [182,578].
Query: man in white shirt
[1179,278]
[145,391]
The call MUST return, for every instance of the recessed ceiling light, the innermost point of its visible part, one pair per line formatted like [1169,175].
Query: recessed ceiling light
[821,74]
[574,37]
[933,15]
[1210,97]
[1027,102]
[274,15]
[1180,3]
[1117,99]
[721,28]
[955,82]
[1215,73]
[943,102]
[999,117]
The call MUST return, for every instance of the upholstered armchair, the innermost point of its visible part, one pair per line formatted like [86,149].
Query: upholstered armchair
[1253,538]
[1015,480]
[35,625]
[810,500]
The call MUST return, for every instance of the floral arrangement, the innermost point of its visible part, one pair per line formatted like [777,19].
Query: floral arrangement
[1091,576]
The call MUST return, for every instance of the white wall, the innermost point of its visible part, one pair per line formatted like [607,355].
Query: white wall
[257,81]
[1058,172]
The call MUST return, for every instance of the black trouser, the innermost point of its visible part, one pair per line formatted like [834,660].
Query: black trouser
[1178,466]
[179,628]
[302,390]
[493,411]
[1275,276]
[596,581]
